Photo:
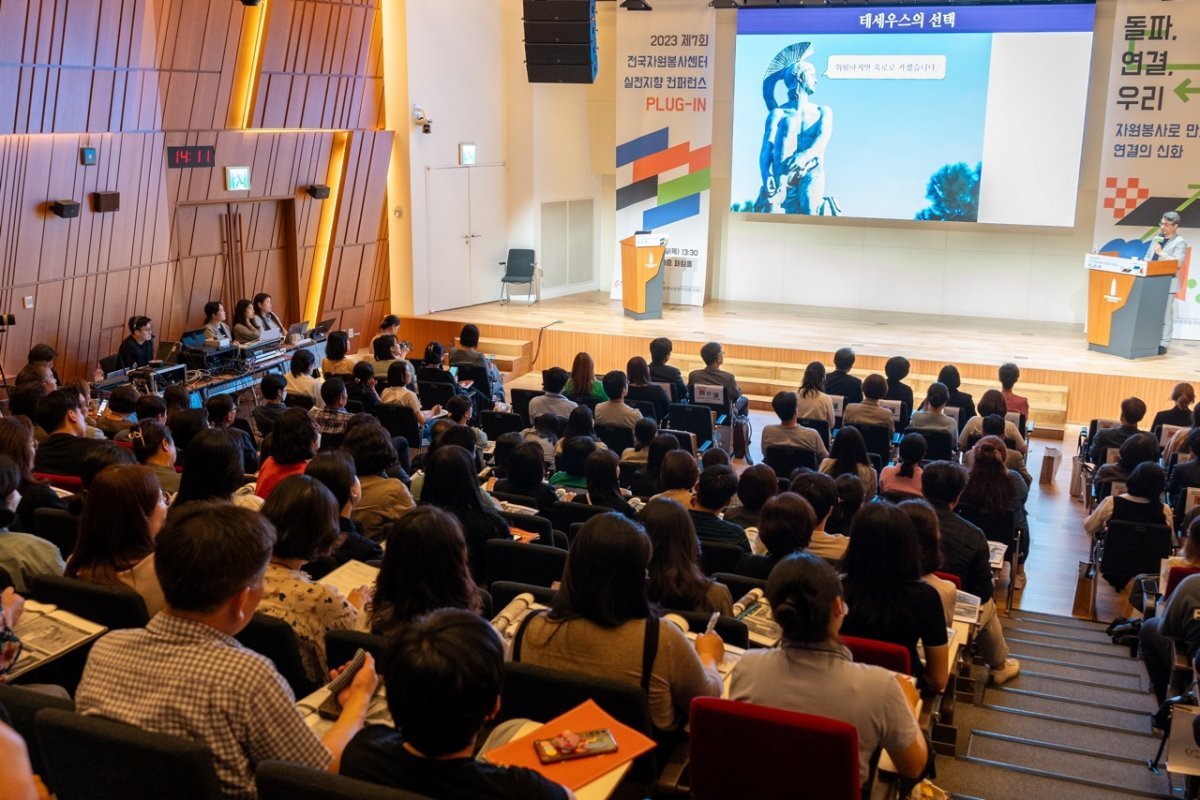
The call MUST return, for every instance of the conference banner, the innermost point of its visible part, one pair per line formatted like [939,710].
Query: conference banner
[1151,159]
[664,137]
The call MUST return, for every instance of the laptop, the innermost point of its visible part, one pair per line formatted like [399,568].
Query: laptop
[323,328]
[298,329]
[193,339]
[168,352]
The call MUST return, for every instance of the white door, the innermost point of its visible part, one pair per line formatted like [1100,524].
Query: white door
[447,192]
[488,233]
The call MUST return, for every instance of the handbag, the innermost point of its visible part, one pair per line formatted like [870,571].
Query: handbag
[1084,604]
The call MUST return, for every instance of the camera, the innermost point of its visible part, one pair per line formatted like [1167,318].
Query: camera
[422,119]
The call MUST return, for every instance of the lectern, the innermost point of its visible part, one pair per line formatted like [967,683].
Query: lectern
[642,275]
[1127,300]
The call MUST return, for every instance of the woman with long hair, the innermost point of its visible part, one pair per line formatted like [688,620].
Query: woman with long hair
[929,547]
[785,526]
[424,568]
[993,488]
[641,388]
[300,380]
[525,475]
[292,444]
[887,599]
[124,510]
[384,497]
[600,470]
[905,477]
[387,350]
[813,403]
[992,402]
[212,470]
[361,386]
[264,316]
[335,469]
[451,484]
[676,579]
[849,456]
[645,481]
[245,330]
[17,442]
[813,673]
[959,399]
[601,624]
[583,378]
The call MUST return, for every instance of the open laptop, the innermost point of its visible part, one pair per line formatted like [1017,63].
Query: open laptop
[193,339]
[322,329]
[168,352]
[298,329]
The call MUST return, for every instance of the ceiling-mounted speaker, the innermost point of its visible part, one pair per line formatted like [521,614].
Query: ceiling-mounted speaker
[67,209]
[560,41]
[318,191]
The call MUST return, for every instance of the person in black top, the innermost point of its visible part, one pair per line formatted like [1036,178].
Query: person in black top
[960,400]
[361,386]
[451,484]
[1185,475]
[714,490]
[600,472]
[896,369]
[60,415]
[840,381]
[646,481]
[642,387]
[222,412]
[661,372]
[525,475]
[274,392]
[443,681]
[335,469]
[1133,409]
[785,525]
[137,350]
[1183,395]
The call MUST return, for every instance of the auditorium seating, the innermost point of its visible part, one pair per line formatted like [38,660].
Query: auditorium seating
[279,780]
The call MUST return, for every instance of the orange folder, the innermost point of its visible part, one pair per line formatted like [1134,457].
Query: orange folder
[577,772]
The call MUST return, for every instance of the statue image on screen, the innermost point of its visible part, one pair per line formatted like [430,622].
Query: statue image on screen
[792,159]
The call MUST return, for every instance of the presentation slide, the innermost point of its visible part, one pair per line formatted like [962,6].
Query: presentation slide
[920,113]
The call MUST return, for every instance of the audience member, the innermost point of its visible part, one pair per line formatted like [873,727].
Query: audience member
[389,350]
[59,414]
[330,417]
[905,477]
[603,488]
[264,317]
[22,555]
[222,413]
[814,674]
[399,375]
[122,515]
[300,379]
[338,360]
[789,432]
[932,415]
[120,414]
[245,331]
[582,382]
[994,489]
[192,678]
[600,624]
[851,497]
[1183,395]
[949,377]
[388,326]
[676,580]
[215,328]
[153,447]
[713,355]
[1132,412]
[361,387]
[17,443]
[757,484]
[869,412]
[896,369]
[292,443]
[644,431]
[714,457]
[1176,627]
[821,492]
[1175,444]
[812,401]
[81,391]
[22,402]
[786,526]
[662,372]
[647,481]
[466,354]
[450,484]
[571,462]
[460,411]
[1009,374]
[212,470]
[137,349]
[929,547]
[714,489]
[643,390]
[840,383]
[992,402]
[37,372]
[335,469]
[384,498]
[148,407]
[552,400]
[1185,475]
[44,354]
[1141,502]
[525,475]
[266,413]
[849,455]
[994,425]
[305,515]
[184,421]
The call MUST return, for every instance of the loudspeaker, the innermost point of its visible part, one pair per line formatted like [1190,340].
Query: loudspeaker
[66,209]
[106,202]
[560,41]
[318,191]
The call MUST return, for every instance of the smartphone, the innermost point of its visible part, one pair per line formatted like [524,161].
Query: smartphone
[590,743]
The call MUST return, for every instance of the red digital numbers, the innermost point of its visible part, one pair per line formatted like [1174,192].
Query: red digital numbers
[191,157]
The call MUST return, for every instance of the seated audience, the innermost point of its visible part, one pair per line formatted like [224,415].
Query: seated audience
[183,420]
[451,485]
[459,411]
[300,379]
[896,369]
[292,443]
[813,673]
[433,370]
[821,492]
[210,559]
[786,526]
[840,383]
[120,415]
[148,407]
[123,513]
[266,413]
[603,489]
[525,475]
[265,320]
[713,355]
[335,469]
[662,372]
[399,376]
[389,350]
[597,625]
[676,580]
[812,401]
[212,470]
[992,402]
[305,515]
[888,601]
[42,353]
[1141,501]
[153,447]
[388,326]
[582,382]
[642,389]
[994,489]
[22,555]
[443,680]
[932,415]
[82,392]
[966,554]
[1009,374]
[905,477]
[959,399]
[17,443]
[1183,395]
[714,457]
[851,497]
[466,354]
[384,498]
[646,481]
[361,387]
[22,402]
[330,417]
[677,475]
[929,550]
[714,489]
[1175,628]
[849,456]
[614,410]
[552,401]
[571,462]
[994,425]
[1132,412]
[580,423]
[757,484]
[245,331]
[137,349]
[215,328]
[222,413]
[869,412]
[59,415]
[1185,475]
[789,431]
[644,432]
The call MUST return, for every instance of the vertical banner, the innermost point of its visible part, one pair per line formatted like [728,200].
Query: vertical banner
[1151,159]
[664,137]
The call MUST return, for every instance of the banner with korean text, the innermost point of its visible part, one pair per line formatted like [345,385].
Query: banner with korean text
[664,137]
[1151,159]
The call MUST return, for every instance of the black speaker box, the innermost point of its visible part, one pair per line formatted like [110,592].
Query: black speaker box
[551,10]
[66,209]
[106,202]
[560,41]
[318,191]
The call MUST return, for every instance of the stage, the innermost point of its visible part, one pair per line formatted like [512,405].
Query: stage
[1071,383]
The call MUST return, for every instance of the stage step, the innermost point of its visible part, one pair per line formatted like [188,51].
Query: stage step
[512,355]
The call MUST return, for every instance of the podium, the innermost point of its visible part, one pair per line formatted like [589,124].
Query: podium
[1127,301]
[642,275]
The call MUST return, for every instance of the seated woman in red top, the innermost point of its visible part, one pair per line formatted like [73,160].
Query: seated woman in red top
[291,445]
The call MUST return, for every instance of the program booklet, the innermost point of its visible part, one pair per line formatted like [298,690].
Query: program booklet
[47,632]
[755,611]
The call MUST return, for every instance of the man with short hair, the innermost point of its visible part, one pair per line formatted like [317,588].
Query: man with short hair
[820,491]
[331,420]
[966,554]
[274,392]
[713,355]
[662,372]
[790,432]
[714,490]
[460,411]
[149,407]
[869,412]
[614,410]
[840,381]
[222,412]
[186,675]
[60,415]
[1168,245]
[443,680]
[38,372]
[1133,410]
[465,354]
[554,380]
[1009,373]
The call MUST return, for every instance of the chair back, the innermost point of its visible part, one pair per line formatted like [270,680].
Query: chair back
[739,585]
[434,393]
[341,645]
[566,512]
[939,444]
[697,420]
[710,396]
[949,576]
[110,364]
[276,640]
[1000,526]
[1131,548]
[720,557]
[57,526]
[301,401]
[877,439]
[515,499]
[647,408]
[520,402]
[898,409]
[786,458]
[538,564]
[280,780]
[731,629]
[735,745]
[479,377]
[882,654]
[531,523]
[519,266]
[22,705]
[92,758]
[821,426]
[111,606]
[617,437]
[503,593]
[72,483]
[497,423]
[687,439]
[839,406]
[400,420]
[355,407]
[1174,576]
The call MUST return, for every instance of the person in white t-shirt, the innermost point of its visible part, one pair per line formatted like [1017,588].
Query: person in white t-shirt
[398,392]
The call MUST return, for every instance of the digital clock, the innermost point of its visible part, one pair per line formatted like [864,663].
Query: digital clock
[191,157]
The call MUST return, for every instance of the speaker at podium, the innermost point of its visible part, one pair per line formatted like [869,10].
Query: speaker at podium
[1127,300]
[642,274]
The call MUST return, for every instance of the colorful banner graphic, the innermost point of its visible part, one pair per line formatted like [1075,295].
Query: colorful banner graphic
[1151,159]
[664,137]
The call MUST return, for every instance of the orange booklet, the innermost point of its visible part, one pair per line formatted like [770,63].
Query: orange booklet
[580,771]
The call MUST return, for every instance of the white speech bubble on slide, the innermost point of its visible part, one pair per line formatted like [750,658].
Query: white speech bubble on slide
[875,68]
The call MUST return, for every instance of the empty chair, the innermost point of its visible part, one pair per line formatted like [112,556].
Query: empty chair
[57,526]
[434,393]
[279,780]
[110,364]
[520,402]
[524,563]
[785,458]
[720,557]
[22,706]
[617,437]
[111,606]
[276,640]
[521,268]
[400,420]
[341,645]
[565,513]
[939,444]
[91,758]
[882,654]
[497,423]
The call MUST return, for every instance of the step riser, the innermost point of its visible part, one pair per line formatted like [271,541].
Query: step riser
[1125,773]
